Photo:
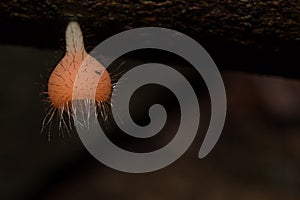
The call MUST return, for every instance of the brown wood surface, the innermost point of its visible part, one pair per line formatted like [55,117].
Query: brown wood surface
[247,35]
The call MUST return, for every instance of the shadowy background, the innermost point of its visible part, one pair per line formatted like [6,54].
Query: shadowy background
[257,156]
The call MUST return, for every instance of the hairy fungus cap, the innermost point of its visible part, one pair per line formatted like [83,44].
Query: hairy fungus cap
[92,79]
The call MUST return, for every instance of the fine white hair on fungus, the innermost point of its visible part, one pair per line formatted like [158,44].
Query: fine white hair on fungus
[62,79]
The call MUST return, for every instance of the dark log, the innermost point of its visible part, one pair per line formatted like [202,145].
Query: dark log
[247,35]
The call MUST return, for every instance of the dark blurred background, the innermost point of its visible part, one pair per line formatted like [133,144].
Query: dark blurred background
[257,156]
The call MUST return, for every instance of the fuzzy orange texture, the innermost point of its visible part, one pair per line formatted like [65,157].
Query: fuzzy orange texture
[77,67]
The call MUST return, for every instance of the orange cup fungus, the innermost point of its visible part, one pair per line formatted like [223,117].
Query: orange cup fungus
[80,70]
